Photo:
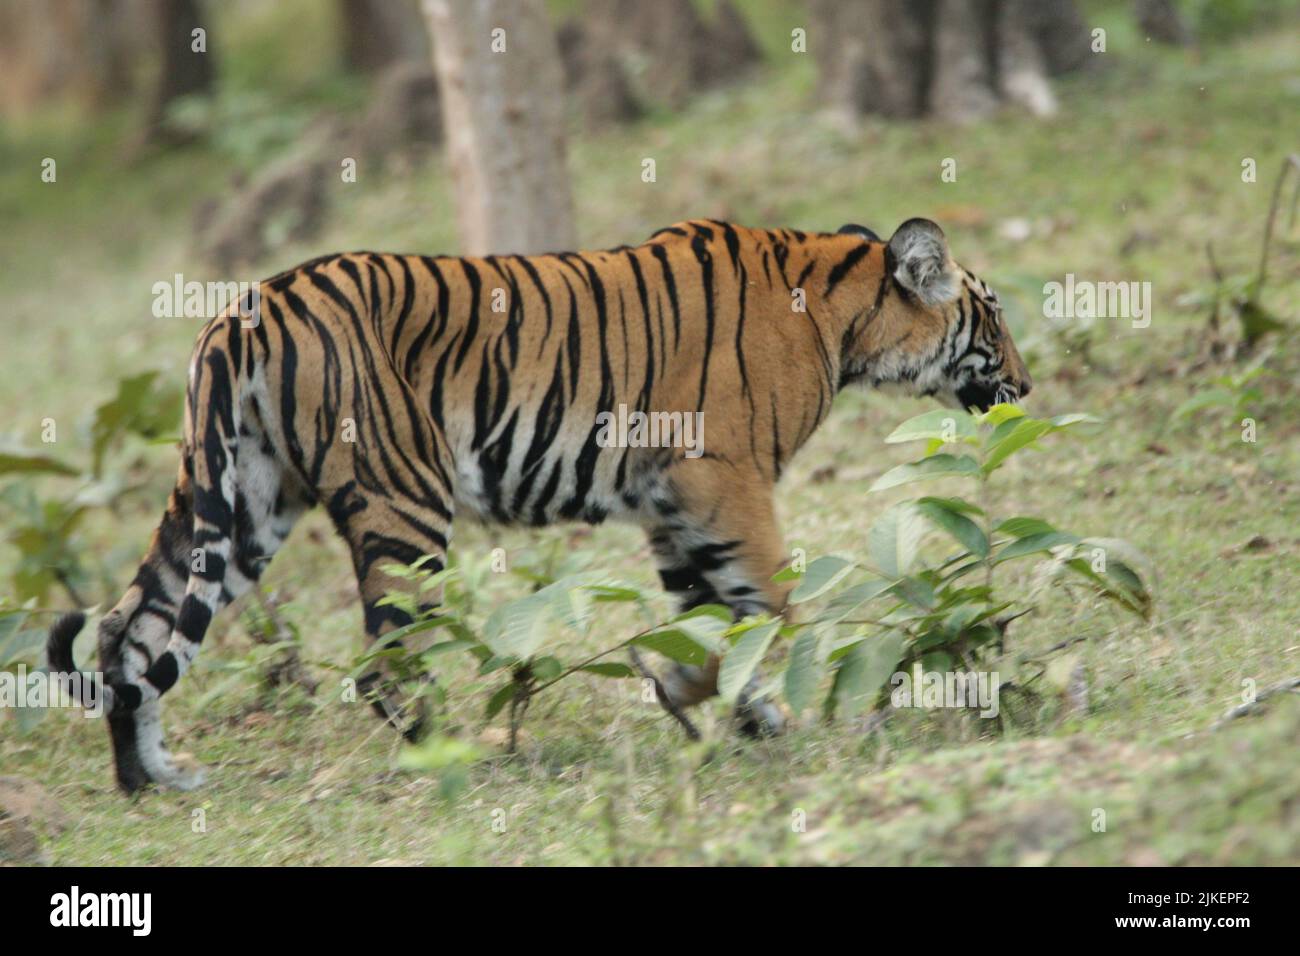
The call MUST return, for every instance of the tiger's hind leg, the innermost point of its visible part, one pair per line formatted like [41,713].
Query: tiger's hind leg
[715,547]
[384,531]
[137,631]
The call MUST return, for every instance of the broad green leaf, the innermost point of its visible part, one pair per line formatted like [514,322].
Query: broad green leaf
[1125,551]
[959,505]
[942,425]
[864,670]
[917,592]
[1256,321]
[1002,412]
[1024,432]
[675,645]
[962,617]
[691,637]
[546,669]
[936,662]
[1124,570]
[415,627]
[1034,543]
[518,628]
[966,532]
[801,676]
[499,699]
[569,602]
[1021,527]
[742,660]
[850,599]
[606,592]
[1205,399]
[1118,582]
[442,647]
[493,663]
[894,539]
[22,646]
[967,615]
[1074,418]
[142,406]
[822,575]
[936,466]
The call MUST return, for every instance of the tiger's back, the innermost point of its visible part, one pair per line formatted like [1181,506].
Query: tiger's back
[514,358]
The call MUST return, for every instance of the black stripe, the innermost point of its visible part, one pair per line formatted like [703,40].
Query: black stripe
[844,265]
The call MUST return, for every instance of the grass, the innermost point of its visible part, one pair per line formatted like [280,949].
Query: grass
[1140,169]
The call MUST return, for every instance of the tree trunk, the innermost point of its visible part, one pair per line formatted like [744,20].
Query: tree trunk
[962,89]
[184,71]
[1022,63]
[503,118]
[379,33]
[875,54]
[76,50]
[954,59]
[672,50]
[1161,21]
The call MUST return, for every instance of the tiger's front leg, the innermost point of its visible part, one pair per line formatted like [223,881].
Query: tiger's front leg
[721,547]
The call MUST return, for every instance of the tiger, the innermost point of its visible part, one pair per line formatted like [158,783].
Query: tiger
[475,387]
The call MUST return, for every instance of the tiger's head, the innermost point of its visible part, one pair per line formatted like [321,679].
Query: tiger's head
[935,328]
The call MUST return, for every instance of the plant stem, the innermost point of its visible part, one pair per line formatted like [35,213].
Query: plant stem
[591,660]
[1291,162]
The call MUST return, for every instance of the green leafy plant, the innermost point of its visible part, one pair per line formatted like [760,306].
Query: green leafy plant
[1242,295]
[1234,392]
[43,525]
[529,641]
[21,644]
[872,616]
[883,614]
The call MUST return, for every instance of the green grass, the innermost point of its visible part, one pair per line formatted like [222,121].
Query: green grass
[1151,146]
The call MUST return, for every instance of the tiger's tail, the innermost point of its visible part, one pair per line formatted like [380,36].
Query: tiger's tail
[211,440]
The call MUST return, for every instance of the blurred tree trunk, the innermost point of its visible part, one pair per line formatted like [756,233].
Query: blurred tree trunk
[1161,21]
[954,59]
[676,50]
[82,51]
[379,33]
[184,70]
[503,117]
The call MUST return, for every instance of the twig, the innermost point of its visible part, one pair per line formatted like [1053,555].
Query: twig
[518,707]
[1291,162]
[662,696]
[590,660]
[1241,710]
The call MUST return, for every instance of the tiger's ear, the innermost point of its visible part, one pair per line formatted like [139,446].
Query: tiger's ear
[853,229]
[919,259]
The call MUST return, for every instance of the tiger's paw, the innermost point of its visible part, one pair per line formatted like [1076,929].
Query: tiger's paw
[186,774]
[757,716]
[175,772]
[760,718]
